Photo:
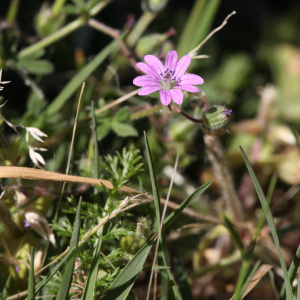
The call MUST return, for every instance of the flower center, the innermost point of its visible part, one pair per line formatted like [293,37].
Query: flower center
[168,80]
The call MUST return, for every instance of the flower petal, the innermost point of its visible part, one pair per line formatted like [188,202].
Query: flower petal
[146,69]
[165,97]
[182,65]
[171,60]
[146,90]
[191,79]
[177,96]
[154,63]
[144,80]
[188,87]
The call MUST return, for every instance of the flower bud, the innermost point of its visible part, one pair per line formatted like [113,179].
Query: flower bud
[46,23]
[150,43]
[216,117]
[154,5]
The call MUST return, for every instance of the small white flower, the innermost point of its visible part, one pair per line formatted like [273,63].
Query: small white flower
[36,133]
[2,82]
[35,156]
[40,225]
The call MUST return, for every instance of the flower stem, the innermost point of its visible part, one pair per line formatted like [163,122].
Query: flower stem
[175,108]
[140,26]
[217,159]
[57,6]
[63,31]
[53,37]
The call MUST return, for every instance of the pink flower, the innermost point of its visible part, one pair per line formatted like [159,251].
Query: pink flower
[169,79]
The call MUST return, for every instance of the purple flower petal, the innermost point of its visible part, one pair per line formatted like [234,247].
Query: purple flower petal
[26,224]
[146,90]
[171,60]
[154,63]
[188,87]
[177,96]
[146,69]
[182,65]
[165,97]
[144,80]
[191,79]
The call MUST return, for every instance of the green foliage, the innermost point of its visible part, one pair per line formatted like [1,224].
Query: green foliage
[122,166]
[62,44]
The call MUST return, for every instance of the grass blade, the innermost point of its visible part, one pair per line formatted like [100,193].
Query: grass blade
[163,255]
[90,284]
[175,213]
[31,283]
[5,288]
[122,285]
[68,272]
[292,272]
[261,219]
[77,80]
[271,223]
[198,25]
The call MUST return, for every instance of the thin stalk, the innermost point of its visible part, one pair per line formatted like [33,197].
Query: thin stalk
[57,6]
[63,31]
[218,161]
[12,11]
[140,26]
[52,38]
[242,277]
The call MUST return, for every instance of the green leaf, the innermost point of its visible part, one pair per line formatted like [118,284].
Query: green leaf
[268,213]
[175,213]
[103,130]
[123,130]
[122,115]
[68,272]
[89,289]
[78,79]
[5,288]
[31,283]
[38,67]
[122,285]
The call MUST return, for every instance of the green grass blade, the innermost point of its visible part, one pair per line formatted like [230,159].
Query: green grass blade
[242,275]
[175,213]
[198,25]
[271,223]
[167,276]
[292,271]
[6,288]
[68,272]
[31,283]
[234,234]
[156,198]
[77,80]
[261,219]
[89,289]
[249,278]
[122,285]
[95,142]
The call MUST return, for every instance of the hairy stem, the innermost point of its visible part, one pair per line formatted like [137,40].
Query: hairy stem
[217,159]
